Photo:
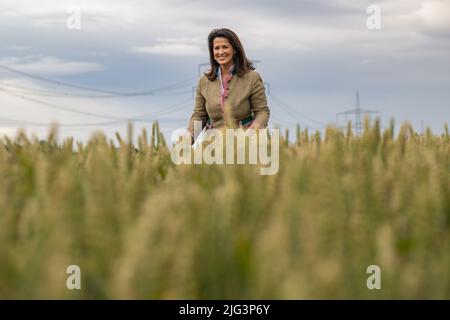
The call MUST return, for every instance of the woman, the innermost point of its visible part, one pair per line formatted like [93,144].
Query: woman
[231,81]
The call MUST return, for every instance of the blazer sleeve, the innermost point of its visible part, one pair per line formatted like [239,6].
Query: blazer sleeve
[199,113]
[259,101]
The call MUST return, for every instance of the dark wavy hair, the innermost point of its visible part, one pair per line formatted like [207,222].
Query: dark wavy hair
[242,65]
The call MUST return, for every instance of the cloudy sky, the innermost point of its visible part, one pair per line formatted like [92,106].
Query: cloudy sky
[313,55]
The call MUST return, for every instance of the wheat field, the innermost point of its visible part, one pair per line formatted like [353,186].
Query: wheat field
[139,226]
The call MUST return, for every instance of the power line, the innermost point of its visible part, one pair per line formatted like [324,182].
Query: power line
[298,120]
[49,105]
[74,125]
[22,92]
[167,110]
[293,110]
[50,93]
[110,93]
[57,82]
[140,118]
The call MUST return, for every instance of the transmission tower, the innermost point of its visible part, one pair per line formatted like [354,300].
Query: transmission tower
[357,112]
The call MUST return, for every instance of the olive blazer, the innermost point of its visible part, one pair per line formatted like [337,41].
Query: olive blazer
[246,96]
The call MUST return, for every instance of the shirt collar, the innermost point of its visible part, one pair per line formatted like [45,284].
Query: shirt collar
[218,71]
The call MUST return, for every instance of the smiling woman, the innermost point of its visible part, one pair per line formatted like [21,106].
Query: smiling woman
[231,80]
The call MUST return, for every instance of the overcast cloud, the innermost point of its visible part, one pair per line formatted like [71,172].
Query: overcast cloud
[314,55]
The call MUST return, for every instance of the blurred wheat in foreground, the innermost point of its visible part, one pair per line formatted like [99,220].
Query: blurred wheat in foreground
[140,227]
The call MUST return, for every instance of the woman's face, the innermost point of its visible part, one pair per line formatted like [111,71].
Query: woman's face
[223,51]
